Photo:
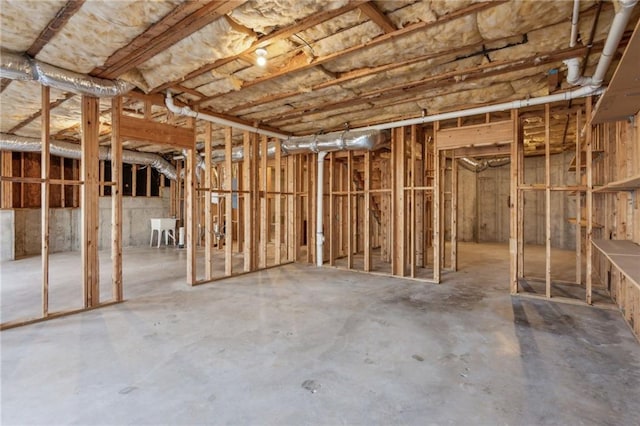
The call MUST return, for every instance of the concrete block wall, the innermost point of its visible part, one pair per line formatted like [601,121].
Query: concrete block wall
[21,227]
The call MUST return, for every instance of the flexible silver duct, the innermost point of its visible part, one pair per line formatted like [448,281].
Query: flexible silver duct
[368,140]
[19,67]
[72,150]
[478,166]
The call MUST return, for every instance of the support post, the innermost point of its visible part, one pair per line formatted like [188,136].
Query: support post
[228,214]
[89,200]
[436,205]
[547,193]
[44,198]
[578,199]
[249,214]
[208,215]
[264,231]
[189,212]
[277,199]
[116,200]
[514,206]
[319,207]
[589,213]
[367,211]
[454,213]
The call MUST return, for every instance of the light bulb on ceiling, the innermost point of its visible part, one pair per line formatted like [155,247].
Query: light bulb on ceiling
[261,59]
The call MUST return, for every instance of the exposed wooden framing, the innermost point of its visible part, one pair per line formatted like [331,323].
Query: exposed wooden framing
[436,205]
[148,188]
[311,206]
[454,214]
[419,26]
[277,199]
[398,215]
[264,225]
[376,15]
[179,24]
[514,204]
[330,222]
[139,129]
[519,139]
[280,34]
[208,215]
[54,26]
[134,179]
[89,200]
[578,198]
[101,171]
[589,202]
[228,214]
[248,203]
[547,204]
[7,187]
[255,187]
[350,218]
[116,200]
[412,219]
[44,197]
[291,229]
[38,113]
[367,211]
[190,211]
[492,134]
[450,78]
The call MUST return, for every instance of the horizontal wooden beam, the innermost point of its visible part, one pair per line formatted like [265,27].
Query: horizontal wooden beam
[381,20]
[140,129]
[483,151]
[38,113]
[496,133]
[183,21]
[54,26]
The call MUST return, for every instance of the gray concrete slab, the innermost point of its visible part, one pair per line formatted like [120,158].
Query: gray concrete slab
[300,345]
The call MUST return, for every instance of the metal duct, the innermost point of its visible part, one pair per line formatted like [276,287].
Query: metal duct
[478,166]
[71,150]
[368,140]
[19,67]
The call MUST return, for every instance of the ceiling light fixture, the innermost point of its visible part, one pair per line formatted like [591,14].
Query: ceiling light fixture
[262,57]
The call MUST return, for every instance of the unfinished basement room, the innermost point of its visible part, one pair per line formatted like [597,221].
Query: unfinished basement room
[320,212]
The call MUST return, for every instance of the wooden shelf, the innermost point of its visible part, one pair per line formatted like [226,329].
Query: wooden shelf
[629,184]
[624,255]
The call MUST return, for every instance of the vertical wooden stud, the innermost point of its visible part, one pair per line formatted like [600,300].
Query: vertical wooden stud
[436,205]
[589,202]
[264,225]
[277,199]
[208,214]
[44,197]
[349,217]
[228,215]
[514,206]
[248,204]
[89,200]
[547,192]
[578,199]
[367,211]
[116,200]
[454,213]
[189,211]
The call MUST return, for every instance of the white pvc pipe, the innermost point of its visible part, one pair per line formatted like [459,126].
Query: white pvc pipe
[618,26]
[186,111]
[577,93]
[574,23]
[319,203]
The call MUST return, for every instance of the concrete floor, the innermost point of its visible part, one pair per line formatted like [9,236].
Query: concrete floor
[297,345]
